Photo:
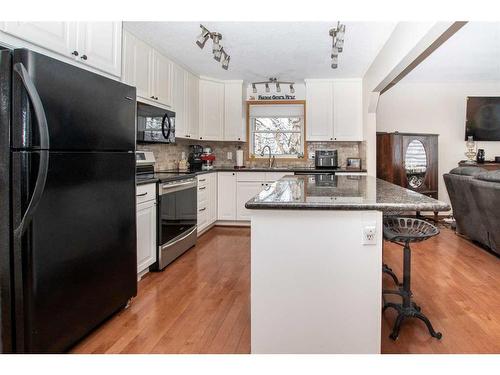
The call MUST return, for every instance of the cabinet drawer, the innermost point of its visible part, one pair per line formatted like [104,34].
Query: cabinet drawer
[202,218]
[203,180]
[202,194]
[145,193]
[251,176]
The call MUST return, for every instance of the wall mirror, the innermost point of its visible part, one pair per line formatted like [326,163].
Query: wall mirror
[415,163]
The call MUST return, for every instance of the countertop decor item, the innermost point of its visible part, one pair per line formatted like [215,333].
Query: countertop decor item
[480,156]
[353,163]
[470,150]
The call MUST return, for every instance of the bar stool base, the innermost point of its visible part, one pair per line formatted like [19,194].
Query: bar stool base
[413,311]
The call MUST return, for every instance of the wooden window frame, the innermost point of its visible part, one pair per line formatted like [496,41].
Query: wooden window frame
[276,102]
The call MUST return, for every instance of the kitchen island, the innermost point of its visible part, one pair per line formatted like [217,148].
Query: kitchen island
[316,262]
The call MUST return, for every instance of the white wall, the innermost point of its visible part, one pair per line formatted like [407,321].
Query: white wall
[435,108]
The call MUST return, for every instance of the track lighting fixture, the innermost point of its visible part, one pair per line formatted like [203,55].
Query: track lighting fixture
[217,49]
[337,34]
[273,81]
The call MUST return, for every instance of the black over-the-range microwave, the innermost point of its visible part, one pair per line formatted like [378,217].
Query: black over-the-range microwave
[155,124]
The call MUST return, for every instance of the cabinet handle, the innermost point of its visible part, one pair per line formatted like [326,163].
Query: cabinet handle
[202,209]
[74,53]
[203,180]
[156,97]
[141,195]
[84,57]
[201,137]
[202,188]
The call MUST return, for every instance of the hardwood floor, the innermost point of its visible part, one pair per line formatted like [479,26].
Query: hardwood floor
[201,303]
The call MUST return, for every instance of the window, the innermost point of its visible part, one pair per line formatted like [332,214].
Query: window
[279,126]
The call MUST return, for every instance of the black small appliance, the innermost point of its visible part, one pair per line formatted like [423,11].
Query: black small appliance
[155,124]
[194,157]
[326,159]
[480,156]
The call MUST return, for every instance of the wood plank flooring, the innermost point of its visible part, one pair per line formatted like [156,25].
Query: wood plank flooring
[201,303]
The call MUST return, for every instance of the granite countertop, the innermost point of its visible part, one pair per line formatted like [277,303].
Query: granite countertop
[330,192]
[176,175]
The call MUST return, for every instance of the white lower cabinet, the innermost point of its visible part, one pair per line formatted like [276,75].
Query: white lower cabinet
[226,195]
[207,200]
[146,226]
[245,191]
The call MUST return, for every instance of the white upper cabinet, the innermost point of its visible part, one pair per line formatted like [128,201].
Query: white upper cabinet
[162,79]
[319,111]
[193,105]
[347,112]
[211,110]
[179,101]
[99,44]
[149,71]
[137,64]
[95,44]
[234,129]
[58,37]
[334,110]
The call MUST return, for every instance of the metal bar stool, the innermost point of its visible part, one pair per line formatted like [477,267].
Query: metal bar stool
[402,231]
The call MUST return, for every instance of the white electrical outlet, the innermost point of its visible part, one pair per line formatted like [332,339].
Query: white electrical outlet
[369,234]
[229,155]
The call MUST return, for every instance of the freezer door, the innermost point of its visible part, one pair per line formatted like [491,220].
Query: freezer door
[75,260]
[84,111]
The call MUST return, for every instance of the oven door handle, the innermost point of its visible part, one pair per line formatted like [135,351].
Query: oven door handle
[170,188]
[168,244]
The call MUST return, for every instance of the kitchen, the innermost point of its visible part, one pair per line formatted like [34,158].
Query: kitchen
[177,161]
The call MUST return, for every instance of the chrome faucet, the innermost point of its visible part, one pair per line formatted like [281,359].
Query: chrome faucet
[271,157]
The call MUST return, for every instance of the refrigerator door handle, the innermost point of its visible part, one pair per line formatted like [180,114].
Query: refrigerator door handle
[44,145]
[37,104]
[41,178]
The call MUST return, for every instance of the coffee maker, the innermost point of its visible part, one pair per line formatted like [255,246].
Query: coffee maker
[194,157]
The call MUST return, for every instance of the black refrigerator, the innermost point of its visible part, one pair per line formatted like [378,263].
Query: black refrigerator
[67,201]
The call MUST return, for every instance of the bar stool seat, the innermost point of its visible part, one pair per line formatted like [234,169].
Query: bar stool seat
[403,231]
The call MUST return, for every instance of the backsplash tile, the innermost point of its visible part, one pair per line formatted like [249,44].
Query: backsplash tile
[168,155]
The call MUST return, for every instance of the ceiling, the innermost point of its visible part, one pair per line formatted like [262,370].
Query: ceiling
[259,50]
[470,55]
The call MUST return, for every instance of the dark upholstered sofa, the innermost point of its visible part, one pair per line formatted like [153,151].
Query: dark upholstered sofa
[475,198]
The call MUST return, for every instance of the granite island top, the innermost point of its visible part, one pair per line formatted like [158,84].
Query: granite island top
[341,192]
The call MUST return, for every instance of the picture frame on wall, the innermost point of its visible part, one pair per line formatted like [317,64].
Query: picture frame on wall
[353,163]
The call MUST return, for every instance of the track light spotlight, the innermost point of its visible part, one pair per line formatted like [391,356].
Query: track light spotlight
[225,62]
[203,37]
[273,81]
[218,54]
[278,88]
[292,90]
[267,87]
[254,88]
[216,37]
[337,34]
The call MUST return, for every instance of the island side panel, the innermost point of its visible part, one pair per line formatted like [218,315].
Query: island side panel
[314,287]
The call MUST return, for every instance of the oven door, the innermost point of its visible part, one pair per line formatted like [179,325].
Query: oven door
[154,124]
[177,219]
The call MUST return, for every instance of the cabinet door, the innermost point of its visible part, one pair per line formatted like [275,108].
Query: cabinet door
[193,110]
[233,112]
[319,119]
[99,45]
[146,235]
[347,111]
[211,111]
[59,37]
[137,64]
[162,79]
[226,195]
[246,191]
[212,198]
[179,102]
